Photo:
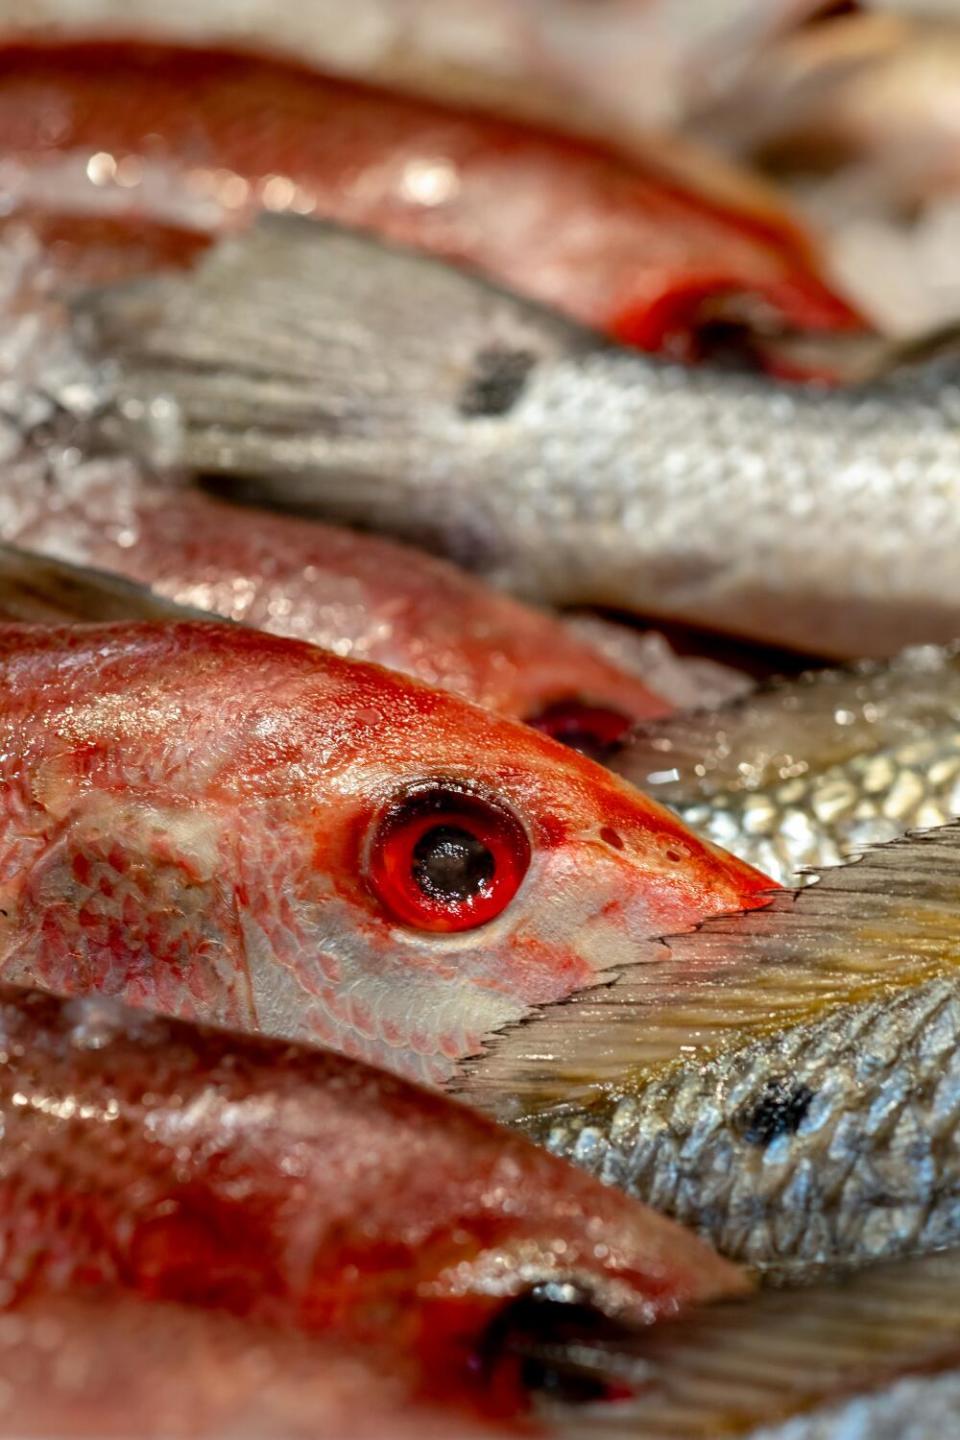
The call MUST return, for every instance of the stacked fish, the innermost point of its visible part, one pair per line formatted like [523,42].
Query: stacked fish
[404,1029]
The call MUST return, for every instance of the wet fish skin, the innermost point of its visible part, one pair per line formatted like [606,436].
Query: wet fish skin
[813,519]
[787,1083]
[360,596]
[193,816]
[151,1159]
[809,771]
[623,245]
[112,1370]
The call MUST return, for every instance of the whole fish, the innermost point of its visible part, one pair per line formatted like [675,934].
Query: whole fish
[564,470]
[149,1158]
[220,823]
[808,771]
[788,1083]
[875,1353]
[101,128]
[127,1370]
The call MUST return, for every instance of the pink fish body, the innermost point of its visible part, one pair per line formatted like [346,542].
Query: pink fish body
[102,1369]
[146,1158]
[223,824]
[357,595]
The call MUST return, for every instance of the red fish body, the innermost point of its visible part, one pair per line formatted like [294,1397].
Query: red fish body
[201,140]
[357,595]
[151,1159]
[103,1369]
[220,823]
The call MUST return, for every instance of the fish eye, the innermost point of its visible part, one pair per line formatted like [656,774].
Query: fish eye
[444,858]
[593,730]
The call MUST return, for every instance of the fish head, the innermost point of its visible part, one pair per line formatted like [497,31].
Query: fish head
[443,870]
[317,848]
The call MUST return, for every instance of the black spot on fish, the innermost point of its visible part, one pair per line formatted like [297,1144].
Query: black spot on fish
[496,382]
[779,1112]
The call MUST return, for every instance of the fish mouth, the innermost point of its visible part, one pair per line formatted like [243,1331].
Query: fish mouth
[558,1343]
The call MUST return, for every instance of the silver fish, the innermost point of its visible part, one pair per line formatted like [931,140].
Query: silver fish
[871,1354]
[379,387]
[787,1082]
[809,771]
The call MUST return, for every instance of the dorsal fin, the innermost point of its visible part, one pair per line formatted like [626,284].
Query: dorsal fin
[36,589]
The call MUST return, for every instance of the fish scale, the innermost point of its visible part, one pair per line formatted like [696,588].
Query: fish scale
[786,1082]
[809,771]
[709,496]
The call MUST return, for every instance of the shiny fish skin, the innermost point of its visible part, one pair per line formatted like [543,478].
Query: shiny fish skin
[189,815]
[153,1159]
[833,1360]
[809,771]
[786,1082]
[359,596]
[814,519]
[99,1369]
[622,244]
[868,1104]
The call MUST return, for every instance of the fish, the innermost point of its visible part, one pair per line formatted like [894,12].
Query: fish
[786,1083]
[582,680]
[149,1159]
[35,590]
[232,826]
[855,122]
[565,470]
[358,595]
[807,771]
[562,63]
[111,1370]
[873,1352]
[99,128]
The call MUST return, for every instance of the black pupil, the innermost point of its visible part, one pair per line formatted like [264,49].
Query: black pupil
[450,864]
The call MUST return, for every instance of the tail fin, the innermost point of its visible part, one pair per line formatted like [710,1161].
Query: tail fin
[889,920]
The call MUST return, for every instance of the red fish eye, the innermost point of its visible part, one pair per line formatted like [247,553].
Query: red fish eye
[446,859]
[593,730]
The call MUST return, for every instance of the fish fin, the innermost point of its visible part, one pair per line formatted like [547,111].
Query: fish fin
[785,1352]
[38,590]
[182,951]
[793,726]
[304,351]
[886,921]
[859,358]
